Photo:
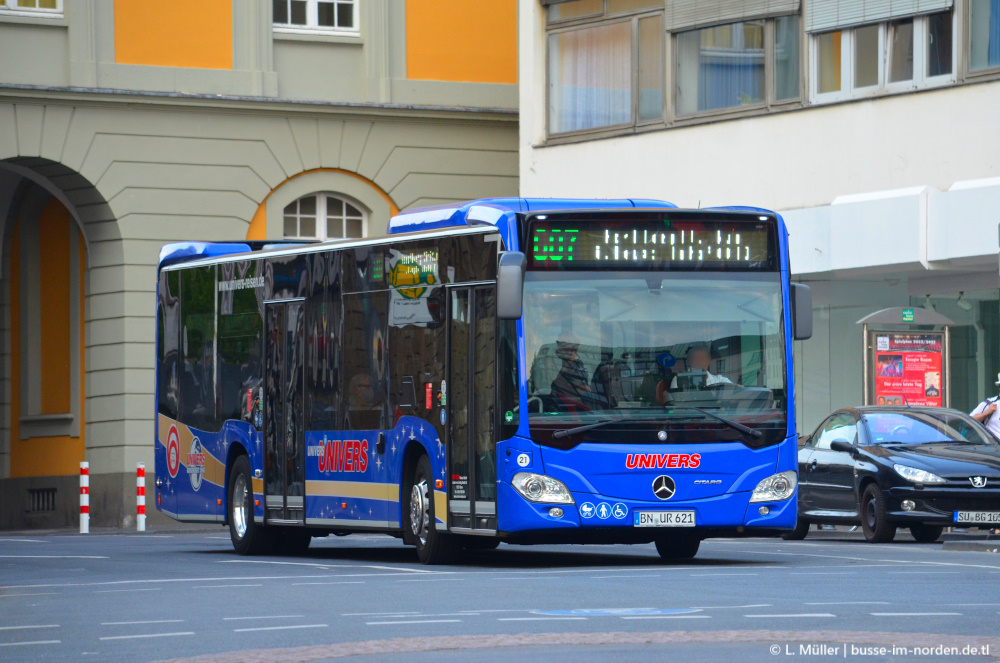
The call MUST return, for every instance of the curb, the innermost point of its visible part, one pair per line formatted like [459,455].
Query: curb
[972,546]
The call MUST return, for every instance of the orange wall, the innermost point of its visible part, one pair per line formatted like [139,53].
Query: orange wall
[462,40]
[46,456]
[174,33]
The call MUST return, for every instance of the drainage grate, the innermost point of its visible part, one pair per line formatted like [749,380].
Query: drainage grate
[41,500]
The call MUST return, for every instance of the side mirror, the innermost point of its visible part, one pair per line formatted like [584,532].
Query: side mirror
[510,284]
[843,445]
[802,312]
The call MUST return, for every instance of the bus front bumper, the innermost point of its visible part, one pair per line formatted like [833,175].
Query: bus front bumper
[722,515]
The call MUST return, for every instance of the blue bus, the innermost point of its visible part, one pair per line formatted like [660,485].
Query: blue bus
[504,370]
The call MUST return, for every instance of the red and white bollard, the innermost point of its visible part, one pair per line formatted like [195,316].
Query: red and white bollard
[140,497]
[84,498]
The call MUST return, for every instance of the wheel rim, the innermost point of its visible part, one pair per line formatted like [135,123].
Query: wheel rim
[420,510]
[239,503]
[871,514]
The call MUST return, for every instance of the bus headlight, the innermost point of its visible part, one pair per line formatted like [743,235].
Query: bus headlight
[775,488]
[540,488]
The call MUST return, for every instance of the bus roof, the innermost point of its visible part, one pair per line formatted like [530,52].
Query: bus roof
[491,210]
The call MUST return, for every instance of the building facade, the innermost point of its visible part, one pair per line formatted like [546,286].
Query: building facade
[870,125]
[126,124]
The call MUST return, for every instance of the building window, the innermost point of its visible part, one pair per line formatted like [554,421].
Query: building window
[605,64]
[904,53]
[37,8]
[324,216]
[727,66]
[315,15]
[984,34]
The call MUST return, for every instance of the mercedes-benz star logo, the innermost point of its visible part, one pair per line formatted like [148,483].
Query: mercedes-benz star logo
[664,487]
[978,482]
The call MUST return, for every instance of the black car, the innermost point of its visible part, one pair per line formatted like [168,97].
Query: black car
[888,467]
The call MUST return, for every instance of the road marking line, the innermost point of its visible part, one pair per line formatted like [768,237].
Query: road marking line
[915,614]
[344,582]
[332,566]
[821,573]
[3,596]
[224,586]
[133,589]
[150,621]
[593,577]
[23,540]
[34,642]
[540,619]
[279,628]
[899,573]
[725,607]
[431,579]
[714,575]
[239,619]
[416,621]
[809,614]
[146,635]
[379,614]
[54,557]
[849,603]
[669,617]
[19,628]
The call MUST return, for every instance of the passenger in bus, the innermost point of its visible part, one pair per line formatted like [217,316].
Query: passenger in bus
[571,384]
[697,360]
[607,380]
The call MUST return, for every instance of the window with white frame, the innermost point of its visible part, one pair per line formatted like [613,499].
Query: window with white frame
[316,15]
[36,8]
[324,216]
[903,53]
[605,64]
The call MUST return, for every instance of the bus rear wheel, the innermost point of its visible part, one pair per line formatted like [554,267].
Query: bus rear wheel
[433,547]
[249,537]
[675,548]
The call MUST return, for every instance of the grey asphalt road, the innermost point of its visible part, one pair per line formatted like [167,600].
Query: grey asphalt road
[166,596]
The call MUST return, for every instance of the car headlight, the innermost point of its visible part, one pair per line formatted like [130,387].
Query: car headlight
[540,488]
[916,475]
[776,487]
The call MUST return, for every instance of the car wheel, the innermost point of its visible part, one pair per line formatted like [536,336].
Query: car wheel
[249,537]
[433,547]
[873,521]
[925,533]
[800,531]
[674,548]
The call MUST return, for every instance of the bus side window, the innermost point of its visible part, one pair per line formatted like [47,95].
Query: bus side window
[240,329]
[197,372]
[365,361]
[324,359]
[168,310]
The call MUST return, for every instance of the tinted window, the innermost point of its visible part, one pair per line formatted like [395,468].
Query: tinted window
[839,427]
[364,375]
[240,339]
[921,427]
[324,331]
[507,378]
[417,351]
[197,372]
[168,343]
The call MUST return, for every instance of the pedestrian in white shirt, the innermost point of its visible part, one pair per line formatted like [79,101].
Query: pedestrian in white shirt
[986,412]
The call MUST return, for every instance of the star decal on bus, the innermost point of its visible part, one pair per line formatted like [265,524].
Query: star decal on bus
[378,463]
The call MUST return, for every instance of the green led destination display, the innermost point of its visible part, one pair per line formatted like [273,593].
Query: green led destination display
[680,244]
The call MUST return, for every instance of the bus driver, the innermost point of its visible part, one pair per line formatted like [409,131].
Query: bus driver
[697,360]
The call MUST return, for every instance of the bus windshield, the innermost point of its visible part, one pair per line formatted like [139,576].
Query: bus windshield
[653,353]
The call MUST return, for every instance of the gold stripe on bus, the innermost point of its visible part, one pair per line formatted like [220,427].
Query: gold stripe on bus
[215,470]
[358,489]
[258,486]
[441,506]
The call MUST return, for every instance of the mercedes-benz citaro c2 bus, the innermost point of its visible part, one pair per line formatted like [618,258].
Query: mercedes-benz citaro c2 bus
[518,370]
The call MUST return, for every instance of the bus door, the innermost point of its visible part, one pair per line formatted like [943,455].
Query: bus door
[284,437]
[471,408]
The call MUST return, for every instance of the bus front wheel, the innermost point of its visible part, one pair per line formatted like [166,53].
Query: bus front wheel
[433,547]
[674,548]
[249,537]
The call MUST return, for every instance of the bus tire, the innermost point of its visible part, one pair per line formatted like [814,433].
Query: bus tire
[873,521]
[800,532]
[433,547]
[675,548]
[249,537]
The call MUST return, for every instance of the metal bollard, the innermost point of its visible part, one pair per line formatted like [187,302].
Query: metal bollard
[84,498]
[140,497]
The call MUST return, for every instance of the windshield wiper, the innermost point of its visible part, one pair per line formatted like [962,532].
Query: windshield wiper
[579,429]
[746,430]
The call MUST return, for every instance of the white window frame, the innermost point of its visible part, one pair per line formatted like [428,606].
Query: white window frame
[10,8]
[322,197]
[920,79]
[312,26]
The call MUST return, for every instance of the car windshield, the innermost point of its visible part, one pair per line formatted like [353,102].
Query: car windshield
[647,350]
[925,427]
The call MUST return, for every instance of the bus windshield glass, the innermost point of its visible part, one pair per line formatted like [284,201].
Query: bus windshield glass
[647,355]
